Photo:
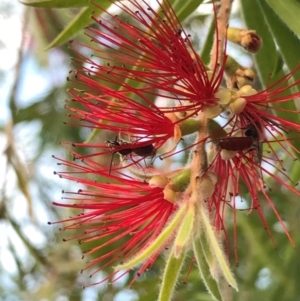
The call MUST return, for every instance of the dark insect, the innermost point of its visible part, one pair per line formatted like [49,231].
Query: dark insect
[249,142]
[115,144]
[147,150]
[142,151]
[252,131]
[236,143]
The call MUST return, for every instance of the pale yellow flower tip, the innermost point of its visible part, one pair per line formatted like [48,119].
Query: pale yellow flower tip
[227,154]
[224,96]
[238,105]
[207,185]
[212,112]
[159,181]
[170,195]
[246,91]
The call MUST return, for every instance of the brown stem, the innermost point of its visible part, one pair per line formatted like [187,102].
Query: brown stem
[199,161]
[217,51]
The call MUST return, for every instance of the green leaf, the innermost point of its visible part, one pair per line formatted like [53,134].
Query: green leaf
[210,283]
[288,11]
[184,8]
[82,20]
[206,49]
[268,60]
[216,249]
[164,236]
[184,232]
[288,43]
[289,46]
[57,3]
[171,273]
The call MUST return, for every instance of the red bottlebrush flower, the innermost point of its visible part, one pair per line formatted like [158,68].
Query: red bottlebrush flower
[139,130]
[125,216]
[139,126]
[239,157]
[249,168]
[132,64]
[149,54]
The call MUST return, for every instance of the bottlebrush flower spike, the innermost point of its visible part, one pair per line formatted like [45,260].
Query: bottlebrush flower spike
[136,65]
[126,216]
[247,166]
[143,129]
[149,53]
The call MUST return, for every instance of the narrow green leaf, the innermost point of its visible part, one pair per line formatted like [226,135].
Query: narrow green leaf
[79,22]
[82,20]
[170,276]
[288,11]
[209,281]
[289,46]
[287,42]
[164,236]
[266,59]
[184,8]
[216,250]
[184,232]
[57,3]
[206,49]
[271,69]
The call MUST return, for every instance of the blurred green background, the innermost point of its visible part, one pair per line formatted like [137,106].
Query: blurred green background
[35,263]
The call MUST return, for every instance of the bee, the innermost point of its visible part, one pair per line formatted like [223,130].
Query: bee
[125,148]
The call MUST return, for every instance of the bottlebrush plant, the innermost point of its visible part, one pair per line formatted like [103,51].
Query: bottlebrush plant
[144,84]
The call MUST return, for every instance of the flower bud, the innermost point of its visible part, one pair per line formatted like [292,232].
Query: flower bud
[227,154]
[212,112]
[159,181]
[238,105]
[207,186]
[211,154]
[244,76]
[246,90]
[170,195]
[238,76]
[224,96]
[248,39]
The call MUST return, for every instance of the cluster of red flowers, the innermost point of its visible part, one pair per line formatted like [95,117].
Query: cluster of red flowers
[144,86]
